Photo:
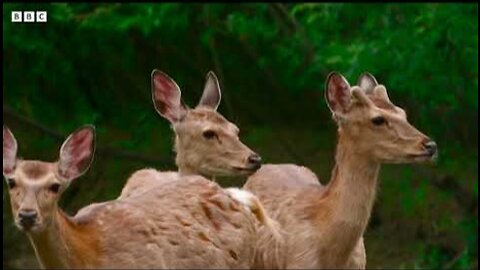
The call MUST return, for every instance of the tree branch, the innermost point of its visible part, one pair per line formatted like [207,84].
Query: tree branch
[307,44]
[105,151]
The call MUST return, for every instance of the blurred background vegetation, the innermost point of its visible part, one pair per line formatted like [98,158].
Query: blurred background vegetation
[91,63]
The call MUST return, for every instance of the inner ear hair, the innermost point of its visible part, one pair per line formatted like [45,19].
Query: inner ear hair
[367,81]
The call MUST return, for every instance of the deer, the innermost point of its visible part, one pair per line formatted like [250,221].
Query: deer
[192,223]
[206,143]
[326,223]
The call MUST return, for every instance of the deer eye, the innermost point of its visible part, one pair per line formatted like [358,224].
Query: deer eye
[54,188]
[209,134]
[11,183]
[379,120]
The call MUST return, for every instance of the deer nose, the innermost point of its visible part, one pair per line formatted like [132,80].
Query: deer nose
[255,161]
[27,218]
[431,147]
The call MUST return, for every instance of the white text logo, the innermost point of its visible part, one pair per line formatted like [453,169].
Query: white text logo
[29,16]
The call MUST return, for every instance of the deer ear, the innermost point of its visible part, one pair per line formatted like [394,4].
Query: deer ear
[9,152]
[211,93]
[166,97]
[76,153]
[337,93]
[367,82]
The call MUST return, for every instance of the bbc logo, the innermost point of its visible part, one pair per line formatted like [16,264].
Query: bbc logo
[29,16]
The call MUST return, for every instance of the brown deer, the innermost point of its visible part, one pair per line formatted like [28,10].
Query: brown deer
[325,225]
[192,223]
[205,142]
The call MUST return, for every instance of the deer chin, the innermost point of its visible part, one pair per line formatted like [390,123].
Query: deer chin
[424,157]
[219,171]
[246,170]
[412,158]
[231,171]
[34,229]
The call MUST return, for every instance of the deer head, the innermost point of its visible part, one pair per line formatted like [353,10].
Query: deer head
[35,186]
[206,143]
[368,119]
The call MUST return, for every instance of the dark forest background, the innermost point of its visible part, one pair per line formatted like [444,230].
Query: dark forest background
[91,63]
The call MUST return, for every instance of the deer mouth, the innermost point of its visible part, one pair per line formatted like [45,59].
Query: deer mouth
[427,156]
[28,227]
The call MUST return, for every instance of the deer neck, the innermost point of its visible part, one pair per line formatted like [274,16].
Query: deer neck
[60,244]
[185,170]
[180,158]
[349,197]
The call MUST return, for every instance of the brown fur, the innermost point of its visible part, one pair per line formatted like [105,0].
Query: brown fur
[222,155]
[325,225]
[168,224]
[84,238]
[183,224]
[34,170]
[58,240]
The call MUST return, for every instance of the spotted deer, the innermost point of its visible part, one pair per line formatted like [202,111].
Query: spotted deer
[192,223]
[325,224]
[205,142]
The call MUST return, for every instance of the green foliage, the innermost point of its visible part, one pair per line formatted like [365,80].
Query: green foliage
[91,63]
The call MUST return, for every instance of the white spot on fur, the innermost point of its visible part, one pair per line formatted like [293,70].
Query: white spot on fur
[244,197]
